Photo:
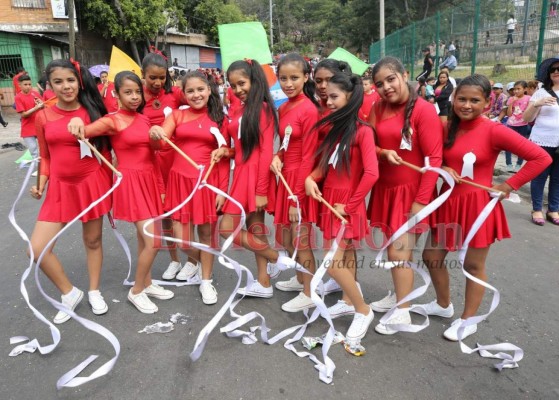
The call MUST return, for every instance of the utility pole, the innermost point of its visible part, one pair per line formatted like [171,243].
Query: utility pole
[271,27]
[71,29]
[381,33]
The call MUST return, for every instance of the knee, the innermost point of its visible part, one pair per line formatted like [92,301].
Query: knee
[475,269]
[93,242]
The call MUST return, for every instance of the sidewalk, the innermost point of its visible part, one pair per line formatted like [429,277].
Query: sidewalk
[10,134]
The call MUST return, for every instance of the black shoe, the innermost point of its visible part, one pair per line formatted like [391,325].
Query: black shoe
[5,124]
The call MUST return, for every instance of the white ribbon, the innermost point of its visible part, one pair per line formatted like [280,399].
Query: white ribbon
[85,151]
[414,220]
[218,136]
[167,111]
[70,378]
[468,166]
[508,361]
[334,156]
[239,129]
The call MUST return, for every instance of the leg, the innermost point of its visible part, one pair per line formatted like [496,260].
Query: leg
[50,265]
[401,250]
[186,232]
[145,258]
[350,260]
[287,233]
[93,241]
[257,229]
[553,193]
[537,186]
[206,259]
[168,229]
[433,257]
[305,255]
[475,265]
[31,144]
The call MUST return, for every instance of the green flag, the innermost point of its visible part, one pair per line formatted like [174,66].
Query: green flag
[357,66]
[25,157]
[243,40]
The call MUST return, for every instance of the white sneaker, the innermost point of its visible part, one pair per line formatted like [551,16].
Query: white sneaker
[256,290]
[142,302]
[359,326]
[208,292]
[328,287]
[291,285]
[158,292]
[433,308]
[71,301]
[273,269]
[340,309]
[188,271]
[401,316]
[299,303]
[97,302]
[172,270]
[452,332]
[385,304]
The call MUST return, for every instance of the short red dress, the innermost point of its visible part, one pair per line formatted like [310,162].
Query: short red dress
[193,135]
[350,188]
[297,118]
[74,182]
[399,186]
[485,139]
[138,197]
[252,177]
[155,111]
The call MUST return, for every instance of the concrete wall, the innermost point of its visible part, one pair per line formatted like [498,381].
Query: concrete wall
[30,19]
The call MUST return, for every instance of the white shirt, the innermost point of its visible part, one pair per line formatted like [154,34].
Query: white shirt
[511,23]
[544,131]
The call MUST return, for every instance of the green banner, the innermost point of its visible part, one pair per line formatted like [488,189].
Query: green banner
[357,66]
[243,40]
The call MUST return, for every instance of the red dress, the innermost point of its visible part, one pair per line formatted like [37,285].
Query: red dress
[486,139]
[137,198]
[368,101]
[350,189]
[252,177]
[300,115]
[25,102]
[74,182]
[110,98]
[192,134]
[399,186]
[154,110]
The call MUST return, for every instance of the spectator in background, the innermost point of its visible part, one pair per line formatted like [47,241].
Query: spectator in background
[108,93]
[500,101]
[533,86]
[553,8]
[20,71]
[449,62]
[430,89]
[176,62]
[516,105]
[511,27]
[28,102]
[451,47]
[427,65]
[441,50]
[443,91]
[4,123]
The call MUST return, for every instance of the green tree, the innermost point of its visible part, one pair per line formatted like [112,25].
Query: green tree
[208,14]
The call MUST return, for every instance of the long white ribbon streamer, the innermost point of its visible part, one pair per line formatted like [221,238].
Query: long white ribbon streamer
[218,136]
[508,361]
[414,220]
[70,378]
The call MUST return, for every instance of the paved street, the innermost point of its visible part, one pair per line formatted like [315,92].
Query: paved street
[403,366]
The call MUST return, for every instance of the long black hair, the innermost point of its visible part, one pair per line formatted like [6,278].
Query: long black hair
[259,93]
[334,66]
[157,60]
[215,106]
[309,88]
[477,80]
[88,94]
[343,121]
[131,76]
[396,66]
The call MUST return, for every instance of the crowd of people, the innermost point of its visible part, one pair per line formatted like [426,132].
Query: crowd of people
[342,138]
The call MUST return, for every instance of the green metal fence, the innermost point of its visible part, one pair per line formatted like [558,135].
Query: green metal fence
[478,30]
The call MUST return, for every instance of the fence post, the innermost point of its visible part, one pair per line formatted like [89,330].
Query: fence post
[476,27]
[525,27]
[412,49]
[437,39]
[541,41]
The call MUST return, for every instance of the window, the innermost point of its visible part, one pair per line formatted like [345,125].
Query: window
[29,3]
[9,65]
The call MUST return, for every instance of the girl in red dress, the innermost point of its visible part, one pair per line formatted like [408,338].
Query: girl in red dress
[74,182]
[161,98]
[252,129]
[197,130]
[137,198]
[348,167]
[469,132]
[295,161]
[407,128]
[323,71]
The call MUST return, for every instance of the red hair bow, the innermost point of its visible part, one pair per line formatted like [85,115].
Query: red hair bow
[152,49]
[248,61]
[77,66]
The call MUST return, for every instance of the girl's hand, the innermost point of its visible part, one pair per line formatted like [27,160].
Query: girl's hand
[457,178]
[504,188]
[340,208]
[37,193]
[311,188]
[293,215]
[261,202]
[219,201]
[218,154]
[276,165]
[156,133]
[416,207]
[163,198]
[391,156]
[77,128]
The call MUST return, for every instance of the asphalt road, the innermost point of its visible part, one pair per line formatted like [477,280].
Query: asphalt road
[403,366]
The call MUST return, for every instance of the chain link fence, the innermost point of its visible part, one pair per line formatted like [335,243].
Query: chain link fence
[482,37]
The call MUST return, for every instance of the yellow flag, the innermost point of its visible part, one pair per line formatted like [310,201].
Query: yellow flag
[121,62]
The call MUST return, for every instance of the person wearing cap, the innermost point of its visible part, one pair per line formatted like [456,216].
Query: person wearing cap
[500,101]
[427,65]
[510,88]
[543,109]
